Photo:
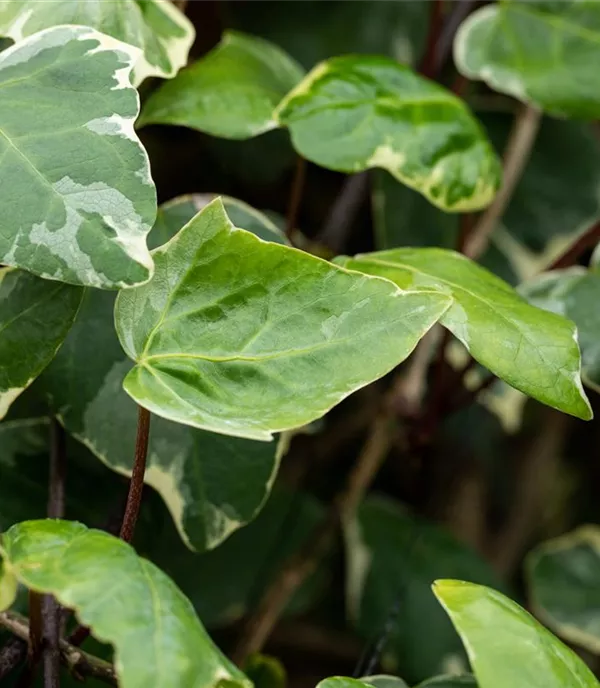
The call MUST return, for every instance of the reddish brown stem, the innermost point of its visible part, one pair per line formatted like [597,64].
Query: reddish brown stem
[136,485]
[574,252]
[428,65]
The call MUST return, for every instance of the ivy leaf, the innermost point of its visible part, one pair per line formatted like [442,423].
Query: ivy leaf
[393,558]
[157,27]
[231,92]
[507,646]
[539,52]
[126,601]
[35,317]
[244,337]
[353,113]
[563,578]
[533,350]
[574,293]
[84,221]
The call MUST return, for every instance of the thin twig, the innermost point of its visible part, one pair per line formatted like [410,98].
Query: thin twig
[295,197]
[35,641]
[80,663]
[516,155]
[136,485]
[572,254]
[458,14]
[429,62]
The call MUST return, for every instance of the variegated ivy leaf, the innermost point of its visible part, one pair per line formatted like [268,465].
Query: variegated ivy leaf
[77,199]
[157,27]
[541,52]
[531,349]
[198,474]
[159,641]
[231,92]
[35,317]
[247,338]
[352,113]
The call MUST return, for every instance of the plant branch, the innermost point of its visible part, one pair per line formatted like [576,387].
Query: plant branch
[81,664]
[516,155]
[295,197]
[572,254]
[136,485]
[429,63]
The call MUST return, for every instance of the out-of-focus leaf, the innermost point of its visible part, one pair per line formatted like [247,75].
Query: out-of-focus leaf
[466,681]
[163,33]
[542,52]
[505,644]
[8,587]
[393,558]
[563,578]
[65,96]
[353,113]
[265,671]
[383,681]
[531,349]
[35,317]
[231,92]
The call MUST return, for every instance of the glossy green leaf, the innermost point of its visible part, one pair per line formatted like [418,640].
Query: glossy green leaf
[393,558]
[541,52]
[466,681]
[162,32]
[231,92]
[244,337]
[158,639]
[382,681]
[505,644]
[563,578]
[531,349]
[77,200]
[574,293]
[35,317]
[354,113]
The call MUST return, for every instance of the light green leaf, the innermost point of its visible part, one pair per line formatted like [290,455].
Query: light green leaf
[505,644]
[231,92]
[382,681]
[8,587]
[543,53]
[126,601]
[531,349]
[245,337]
[163,33]
[354,113]
[574,293]
[563,579]
[77,200]
[35,317]
[393,558]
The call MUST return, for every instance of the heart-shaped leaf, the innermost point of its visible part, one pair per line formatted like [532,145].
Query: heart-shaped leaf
[541,52]
[231,92]
[85,220]
[126,601]
[531,349]
[163,33]
[352,113]
[245,337]
[35,317]
[505,644]
[563,578]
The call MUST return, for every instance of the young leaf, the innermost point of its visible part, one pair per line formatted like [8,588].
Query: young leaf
[231,92]
[163,33]
[393,558]
[531,349]
[543,53]
[125,600]
[353,113]
[563,578]
[35,317]
[8,587]
[77,199]
[574,293]
[507,646]
[247,338]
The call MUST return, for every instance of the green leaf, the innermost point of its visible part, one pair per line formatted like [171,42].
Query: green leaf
[77,199]
[231,92]
[8,587]
[531,349]
[393,558]
[244,337]
[35,317]
[543,53]
[574,293]
[466,681]
[265,671]
[163,33]
[353,113]
[383,681]
[126,601]
[505,644]
[563,579]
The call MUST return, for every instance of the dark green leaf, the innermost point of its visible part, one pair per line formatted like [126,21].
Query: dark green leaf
[466,681]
